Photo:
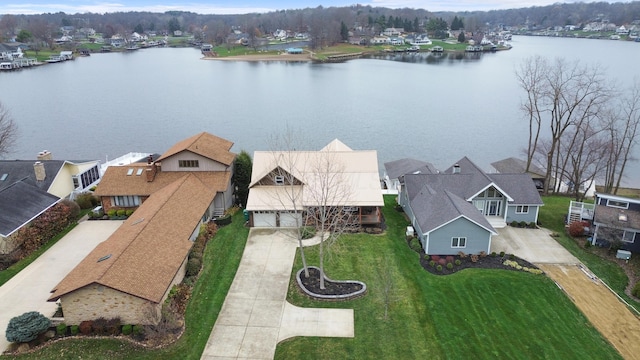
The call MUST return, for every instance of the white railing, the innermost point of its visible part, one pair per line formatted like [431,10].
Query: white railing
[579,211]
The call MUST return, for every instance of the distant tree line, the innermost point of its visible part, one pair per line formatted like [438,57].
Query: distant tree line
[325,25]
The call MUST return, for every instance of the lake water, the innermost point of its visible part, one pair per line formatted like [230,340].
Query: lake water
[437,109]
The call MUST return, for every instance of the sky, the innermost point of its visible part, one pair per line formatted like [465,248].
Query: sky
[29,7]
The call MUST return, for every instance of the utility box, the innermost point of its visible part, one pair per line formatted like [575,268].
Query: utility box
[245,212]
[410,232]
[623,254]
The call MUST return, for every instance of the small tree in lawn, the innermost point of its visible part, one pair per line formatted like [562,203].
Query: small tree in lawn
[286,164]
[327,193]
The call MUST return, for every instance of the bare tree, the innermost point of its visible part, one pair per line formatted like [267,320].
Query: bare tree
[567,96]
[530,77]
[327,193]
[287,164]
[623,121]
[584,157]
[385,275]
[8,131]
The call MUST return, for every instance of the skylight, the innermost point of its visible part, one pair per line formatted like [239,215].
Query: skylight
[129,172]
[104,258]
[139,172]
[3,177]
[622,217]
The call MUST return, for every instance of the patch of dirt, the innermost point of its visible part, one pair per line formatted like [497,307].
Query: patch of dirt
[609,315]
[312,283]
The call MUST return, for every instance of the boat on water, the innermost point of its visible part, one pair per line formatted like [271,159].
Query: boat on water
[437,49]
[132,47]
[413,48]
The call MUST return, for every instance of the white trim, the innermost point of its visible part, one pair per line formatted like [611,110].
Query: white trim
[521,211]
[504,193]
[456,218]
[616,206]
[459,238]
[634,236]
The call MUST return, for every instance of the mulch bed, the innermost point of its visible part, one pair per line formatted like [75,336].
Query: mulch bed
[312,283]
[488,261]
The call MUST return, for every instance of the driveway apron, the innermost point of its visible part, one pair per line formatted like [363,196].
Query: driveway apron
[31,287]
[255,315]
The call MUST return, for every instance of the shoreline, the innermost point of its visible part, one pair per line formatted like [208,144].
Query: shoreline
[264,57]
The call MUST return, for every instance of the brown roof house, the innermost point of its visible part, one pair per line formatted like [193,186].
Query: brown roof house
[130,274]
[204,155]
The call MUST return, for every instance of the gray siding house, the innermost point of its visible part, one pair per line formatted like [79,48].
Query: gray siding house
[460,208]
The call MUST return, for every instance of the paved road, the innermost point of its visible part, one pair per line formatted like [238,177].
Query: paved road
[255,315]
[30,289]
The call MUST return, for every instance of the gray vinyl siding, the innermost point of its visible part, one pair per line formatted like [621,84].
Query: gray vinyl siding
[478,239]
[531,216]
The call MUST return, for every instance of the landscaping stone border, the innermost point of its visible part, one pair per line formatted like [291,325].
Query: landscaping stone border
[332,297]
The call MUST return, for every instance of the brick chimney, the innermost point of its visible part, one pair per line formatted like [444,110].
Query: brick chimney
[44,155]
[38,167]
[151,171]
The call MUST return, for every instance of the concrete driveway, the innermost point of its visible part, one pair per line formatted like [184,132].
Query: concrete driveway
[534,245]
[30,289]
[255,315]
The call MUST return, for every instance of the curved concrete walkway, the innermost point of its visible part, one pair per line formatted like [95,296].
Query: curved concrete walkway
[31,287]
[255,315]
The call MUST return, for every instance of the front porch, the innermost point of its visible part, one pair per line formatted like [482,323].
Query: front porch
[369,216]
[496,221]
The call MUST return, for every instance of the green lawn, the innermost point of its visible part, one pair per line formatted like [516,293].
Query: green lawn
[485,314]
[552,216]
[221,260]
[479,314]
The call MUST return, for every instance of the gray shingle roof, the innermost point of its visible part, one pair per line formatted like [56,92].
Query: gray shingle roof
[32,202]
[516,166]
[609,216]
[436,207]
[396,169]
[22,170]
[519,187]
[439,198]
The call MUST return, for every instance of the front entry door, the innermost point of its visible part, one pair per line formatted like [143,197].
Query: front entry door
[493,208]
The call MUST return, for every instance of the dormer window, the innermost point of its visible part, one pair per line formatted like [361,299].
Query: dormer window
[188,163]
[279,180]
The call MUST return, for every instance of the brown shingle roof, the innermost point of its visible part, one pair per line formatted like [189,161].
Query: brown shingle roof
[148,249]
[204,144]
[116,182]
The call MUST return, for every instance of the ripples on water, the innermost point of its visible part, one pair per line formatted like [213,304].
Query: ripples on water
[435,108]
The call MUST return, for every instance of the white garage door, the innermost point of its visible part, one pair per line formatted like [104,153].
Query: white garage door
[264,219]
[289,219]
